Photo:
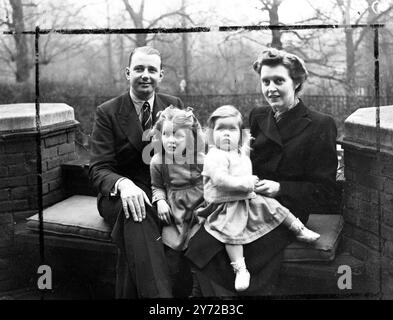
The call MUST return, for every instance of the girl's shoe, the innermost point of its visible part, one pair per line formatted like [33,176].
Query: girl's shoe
[302,233]
[242,280]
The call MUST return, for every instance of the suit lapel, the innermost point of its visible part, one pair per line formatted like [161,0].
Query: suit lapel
[296,121]
[157,107]
[129,122]
[268,126]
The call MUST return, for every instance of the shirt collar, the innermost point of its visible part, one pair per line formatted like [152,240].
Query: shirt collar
[280,115]
[138,103]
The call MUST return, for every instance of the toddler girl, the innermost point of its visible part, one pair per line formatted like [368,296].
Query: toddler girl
[235,214]
[175,169]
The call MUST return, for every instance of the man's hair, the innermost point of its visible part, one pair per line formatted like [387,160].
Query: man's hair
[145,50]
[273,57]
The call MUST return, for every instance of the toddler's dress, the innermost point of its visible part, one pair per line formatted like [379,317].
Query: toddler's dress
[234,213]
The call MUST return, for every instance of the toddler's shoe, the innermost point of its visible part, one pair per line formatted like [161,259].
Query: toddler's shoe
[242,280]
[302,233]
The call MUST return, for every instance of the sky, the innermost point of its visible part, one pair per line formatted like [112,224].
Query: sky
[240,12]
[203,12]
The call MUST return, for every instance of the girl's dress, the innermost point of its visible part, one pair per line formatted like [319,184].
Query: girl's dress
[181,185]
[234,213]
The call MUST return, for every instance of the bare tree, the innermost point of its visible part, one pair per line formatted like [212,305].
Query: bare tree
[271,6]
[186,57]
[109,44]
[355,39]
[16,24]
[137,17]
[322,55]
[19,55]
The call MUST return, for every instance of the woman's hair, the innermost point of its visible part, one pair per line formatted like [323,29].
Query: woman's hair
[273,57]
[181,119]
[227,111]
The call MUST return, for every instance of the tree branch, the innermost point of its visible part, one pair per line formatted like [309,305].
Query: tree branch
[169,14]
[254,41]
[328,77]
[318,11]
[10,24]
[129,37]
[365,30]
[142,7]
[7,49]
[341,5]
[131,11]
[357,21]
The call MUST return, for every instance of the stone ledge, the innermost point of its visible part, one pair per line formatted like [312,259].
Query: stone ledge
[360,128]
[21,116]
[45,132]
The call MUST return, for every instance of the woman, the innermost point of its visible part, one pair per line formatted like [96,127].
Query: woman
[294,156]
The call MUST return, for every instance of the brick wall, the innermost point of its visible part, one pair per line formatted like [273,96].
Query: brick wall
[18,184]
[18,180]
[368,197]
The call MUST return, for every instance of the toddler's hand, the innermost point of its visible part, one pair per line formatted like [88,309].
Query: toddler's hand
[253,181]
[268,188]
[164,211]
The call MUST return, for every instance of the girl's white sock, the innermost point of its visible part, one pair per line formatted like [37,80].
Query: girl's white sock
[242,280]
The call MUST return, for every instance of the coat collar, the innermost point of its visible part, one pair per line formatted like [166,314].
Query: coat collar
[293,124]
[129,121]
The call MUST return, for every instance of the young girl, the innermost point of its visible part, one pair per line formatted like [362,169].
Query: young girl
[177,184]
[235,214]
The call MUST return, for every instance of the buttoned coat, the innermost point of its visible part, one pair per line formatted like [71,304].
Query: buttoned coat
[300,153]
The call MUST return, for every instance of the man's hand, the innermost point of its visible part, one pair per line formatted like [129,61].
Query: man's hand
[267,188]
[133,199]
[164,211]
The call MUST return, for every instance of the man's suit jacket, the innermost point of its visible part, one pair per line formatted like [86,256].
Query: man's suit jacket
[117,146]
[300,153]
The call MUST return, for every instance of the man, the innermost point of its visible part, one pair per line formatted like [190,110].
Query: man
[121,175]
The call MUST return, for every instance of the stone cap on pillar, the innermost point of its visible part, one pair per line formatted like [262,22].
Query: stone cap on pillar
[360,128]
[20,117]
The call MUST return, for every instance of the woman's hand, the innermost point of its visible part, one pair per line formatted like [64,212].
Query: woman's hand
[164,211]
[268,188]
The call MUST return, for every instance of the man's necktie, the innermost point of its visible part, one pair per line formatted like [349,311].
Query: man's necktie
[147,120]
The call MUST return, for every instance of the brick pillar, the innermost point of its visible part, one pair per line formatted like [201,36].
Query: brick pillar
[368,195]
[18,165]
